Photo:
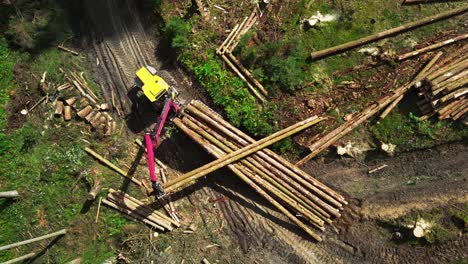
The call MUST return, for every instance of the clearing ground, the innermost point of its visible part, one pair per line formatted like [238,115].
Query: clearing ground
[119,43]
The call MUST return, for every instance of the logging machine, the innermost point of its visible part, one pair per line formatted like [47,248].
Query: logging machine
[156,90]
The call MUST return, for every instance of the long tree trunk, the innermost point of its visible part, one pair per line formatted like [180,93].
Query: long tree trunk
[387,33]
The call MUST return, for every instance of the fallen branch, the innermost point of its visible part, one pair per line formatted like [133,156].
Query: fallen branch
[25,242]
[68,50]
[388,33]
[377,169]
[112,166]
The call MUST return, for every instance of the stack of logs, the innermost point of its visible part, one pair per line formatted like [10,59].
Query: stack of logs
[291,190]
[387,102]
[138,210]
[85,104]
[444,92]
[230,43]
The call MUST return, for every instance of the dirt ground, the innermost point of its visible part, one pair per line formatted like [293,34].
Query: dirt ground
[118,40]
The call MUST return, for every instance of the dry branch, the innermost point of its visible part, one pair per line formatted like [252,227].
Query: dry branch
[68,50]
[388,33]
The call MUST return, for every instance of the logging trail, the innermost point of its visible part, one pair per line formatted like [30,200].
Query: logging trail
[119,37]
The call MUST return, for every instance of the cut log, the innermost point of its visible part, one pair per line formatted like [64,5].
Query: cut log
[25,242]
[71,101]
[67,113]
[112,166]
[104,107]
[85,111]
[58,108]
[22,258]
[95,189]
[432,47]
[9,194]
[388,33]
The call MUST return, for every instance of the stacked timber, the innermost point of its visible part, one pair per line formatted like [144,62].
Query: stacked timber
[444,92]
[85,103]
[136,209]
[225,52]
[289,189]
[387,102]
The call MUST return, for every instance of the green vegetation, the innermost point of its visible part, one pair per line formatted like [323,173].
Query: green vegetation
[278,57]
[7,59]
[225,90]
[408,132]
[43,159]
[35,24]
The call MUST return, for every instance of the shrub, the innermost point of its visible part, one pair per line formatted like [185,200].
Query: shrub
[176,32]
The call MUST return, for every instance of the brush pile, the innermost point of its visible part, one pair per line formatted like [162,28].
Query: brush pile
[444,91]
[292,191]
[138,210]
[84,102]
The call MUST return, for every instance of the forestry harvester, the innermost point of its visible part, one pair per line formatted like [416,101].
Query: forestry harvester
[156,90]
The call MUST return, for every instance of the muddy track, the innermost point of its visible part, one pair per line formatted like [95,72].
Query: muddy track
[116,38]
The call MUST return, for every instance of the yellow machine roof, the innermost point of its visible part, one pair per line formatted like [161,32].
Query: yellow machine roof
[153,85]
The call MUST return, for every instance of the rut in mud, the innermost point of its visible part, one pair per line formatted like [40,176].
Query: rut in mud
[118,43]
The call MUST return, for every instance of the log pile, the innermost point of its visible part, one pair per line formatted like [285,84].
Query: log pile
[387,103]
[136,209]
[84,103]
[292,191]
[444,92]
[230,43]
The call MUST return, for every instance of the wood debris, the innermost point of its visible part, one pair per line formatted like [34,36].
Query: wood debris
[444,92]
[289,189]
[332,137]
[68,50]
[139,211]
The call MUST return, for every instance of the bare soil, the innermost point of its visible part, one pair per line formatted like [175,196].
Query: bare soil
[114,34]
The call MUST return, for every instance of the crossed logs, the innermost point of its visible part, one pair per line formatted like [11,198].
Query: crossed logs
[292,191]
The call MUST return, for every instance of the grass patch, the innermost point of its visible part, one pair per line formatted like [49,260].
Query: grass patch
[408,132]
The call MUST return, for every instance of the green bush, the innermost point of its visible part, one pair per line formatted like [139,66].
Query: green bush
[240,106]
[176,32]
[35,24]
[7,59]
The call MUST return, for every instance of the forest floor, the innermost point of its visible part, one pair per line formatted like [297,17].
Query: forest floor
[230,223]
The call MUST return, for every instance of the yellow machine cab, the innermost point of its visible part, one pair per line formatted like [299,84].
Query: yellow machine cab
[152,85]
